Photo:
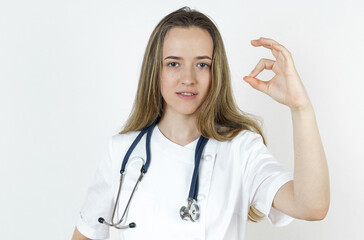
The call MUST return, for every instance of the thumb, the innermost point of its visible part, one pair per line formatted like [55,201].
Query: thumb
[257,84]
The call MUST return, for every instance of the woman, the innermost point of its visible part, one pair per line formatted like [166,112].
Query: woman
[184,91]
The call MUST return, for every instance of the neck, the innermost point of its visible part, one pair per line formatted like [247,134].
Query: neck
[180,129]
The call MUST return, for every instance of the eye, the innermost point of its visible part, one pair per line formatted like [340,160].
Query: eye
[173,64]
[203,65]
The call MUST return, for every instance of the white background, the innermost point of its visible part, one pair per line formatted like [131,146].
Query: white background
[69,72]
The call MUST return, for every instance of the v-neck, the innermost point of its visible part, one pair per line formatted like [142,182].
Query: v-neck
[190,146]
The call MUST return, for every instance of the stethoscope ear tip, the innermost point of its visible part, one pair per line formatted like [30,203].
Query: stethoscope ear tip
[132,225]
[101,220]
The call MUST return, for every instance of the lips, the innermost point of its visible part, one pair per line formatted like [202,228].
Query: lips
[187,93]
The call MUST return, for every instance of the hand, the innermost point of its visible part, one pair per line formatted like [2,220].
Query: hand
[286,86]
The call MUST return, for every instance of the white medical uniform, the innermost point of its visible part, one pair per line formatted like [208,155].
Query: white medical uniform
[232,176]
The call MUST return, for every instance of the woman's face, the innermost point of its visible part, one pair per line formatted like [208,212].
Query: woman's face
[186,72]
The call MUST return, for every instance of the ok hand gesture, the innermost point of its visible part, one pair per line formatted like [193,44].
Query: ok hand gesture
[286,86]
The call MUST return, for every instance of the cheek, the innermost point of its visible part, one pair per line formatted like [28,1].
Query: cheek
[163,82]
[163,88]
[166,85]
[207,85]
[168,80]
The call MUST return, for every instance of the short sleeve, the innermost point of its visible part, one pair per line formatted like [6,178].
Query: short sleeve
[98,201]
[265,176]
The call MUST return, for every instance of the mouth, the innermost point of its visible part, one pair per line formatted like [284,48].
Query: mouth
[186,93]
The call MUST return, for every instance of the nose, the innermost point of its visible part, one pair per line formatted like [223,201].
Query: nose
[188,76]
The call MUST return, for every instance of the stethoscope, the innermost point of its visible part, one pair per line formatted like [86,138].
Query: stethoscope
[189,212]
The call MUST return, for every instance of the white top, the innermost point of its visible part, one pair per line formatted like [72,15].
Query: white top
[232,176]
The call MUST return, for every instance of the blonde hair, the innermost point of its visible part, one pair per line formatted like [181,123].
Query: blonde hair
[219,117]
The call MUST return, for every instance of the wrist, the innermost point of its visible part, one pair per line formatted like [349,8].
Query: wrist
[302,108]
[304,112]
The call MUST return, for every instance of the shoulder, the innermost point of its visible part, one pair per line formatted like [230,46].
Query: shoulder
[241,154]
[244,149]
[119,143]
[245,146]
[246,139]
[119,139]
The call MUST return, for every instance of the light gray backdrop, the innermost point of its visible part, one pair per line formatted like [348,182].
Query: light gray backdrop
[69,71]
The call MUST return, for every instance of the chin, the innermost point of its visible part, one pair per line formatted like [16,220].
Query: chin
[187,111]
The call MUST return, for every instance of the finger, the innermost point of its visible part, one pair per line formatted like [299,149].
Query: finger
[262,64]
[282,51]
[257,84]
[273,45]
[260,42]
[265,42]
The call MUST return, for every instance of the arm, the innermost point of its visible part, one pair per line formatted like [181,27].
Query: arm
[78,236]
[308,195]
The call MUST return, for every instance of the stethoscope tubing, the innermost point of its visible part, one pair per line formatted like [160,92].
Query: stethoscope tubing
[202,141]
[192,196]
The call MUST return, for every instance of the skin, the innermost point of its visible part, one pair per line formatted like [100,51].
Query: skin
[187,57]
[308,195]
[78,236]
[188,73]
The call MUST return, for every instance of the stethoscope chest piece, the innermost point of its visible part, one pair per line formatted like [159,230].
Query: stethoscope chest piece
[192,211]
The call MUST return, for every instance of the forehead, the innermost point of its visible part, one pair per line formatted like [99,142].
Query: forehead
[187,41]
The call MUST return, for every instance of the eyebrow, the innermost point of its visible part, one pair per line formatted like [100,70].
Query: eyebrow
[180,58]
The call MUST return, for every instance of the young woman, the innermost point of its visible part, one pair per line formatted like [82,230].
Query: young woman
[205,161]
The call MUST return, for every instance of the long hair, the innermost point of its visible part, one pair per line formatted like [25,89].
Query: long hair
[219,117]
